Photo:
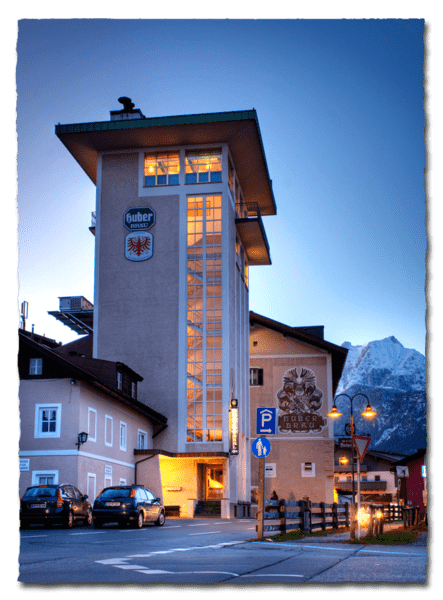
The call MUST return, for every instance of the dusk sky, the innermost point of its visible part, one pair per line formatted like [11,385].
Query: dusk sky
[340,109]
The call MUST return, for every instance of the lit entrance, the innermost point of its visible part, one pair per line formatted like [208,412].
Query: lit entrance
[213,482]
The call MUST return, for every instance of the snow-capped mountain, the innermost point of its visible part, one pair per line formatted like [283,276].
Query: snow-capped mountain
[394,380]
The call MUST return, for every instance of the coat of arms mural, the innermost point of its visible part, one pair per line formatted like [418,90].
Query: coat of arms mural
[299,402]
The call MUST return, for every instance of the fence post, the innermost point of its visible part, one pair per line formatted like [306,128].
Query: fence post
[335,523]
[347,520]
[371,520]
[323,516]
[282,510]
[305,515]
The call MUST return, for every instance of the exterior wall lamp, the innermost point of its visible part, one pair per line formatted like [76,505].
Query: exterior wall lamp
[82,438]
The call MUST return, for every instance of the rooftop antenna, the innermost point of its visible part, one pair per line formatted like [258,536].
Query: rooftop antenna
[24,314]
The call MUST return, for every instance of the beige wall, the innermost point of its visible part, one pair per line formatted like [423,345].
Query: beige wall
[138,301]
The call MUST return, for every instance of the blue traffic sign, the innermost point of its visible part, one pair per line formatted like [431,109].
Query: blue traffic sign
[267,420]
[261,447]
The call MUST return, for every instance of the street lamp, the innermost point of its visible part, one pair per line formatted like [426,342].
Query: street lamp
[368,412]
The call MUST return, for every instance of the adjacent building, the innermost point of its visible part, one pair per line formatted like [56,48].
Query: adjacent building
[64,394]
[296,371]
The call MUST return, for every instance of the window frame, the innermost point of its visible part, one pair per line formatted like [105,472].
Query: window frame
[92,436]
[259,371]
[123,437]
[36,364]
[144,434]
[200,154]
[110,420]
[119,381]
[44,473]
[174,154]
[39,408]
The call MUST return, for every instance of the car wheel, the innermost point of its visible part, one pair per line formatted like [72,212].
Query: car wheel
[97,524]
[161,519]
[138,523]
[69,520]
[88,520]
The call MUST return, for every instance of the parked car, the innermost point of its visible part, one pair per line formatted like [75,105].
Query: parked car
[50,504]
[127,505]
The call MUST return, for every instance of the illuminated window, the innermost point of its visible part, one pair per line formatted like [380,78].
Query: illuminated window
[161,169]
[203,166]
[204,317]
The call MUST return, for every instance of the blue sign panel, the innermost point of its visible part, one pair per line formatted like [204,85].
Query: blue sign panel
[261,447]
[267,420]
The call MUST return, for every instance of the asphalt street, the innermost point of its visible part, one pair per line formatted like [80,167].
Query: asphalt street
[206,551]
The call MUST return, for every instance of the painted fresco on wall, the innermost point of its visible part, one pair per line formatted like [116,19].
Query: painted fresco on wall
[299,401]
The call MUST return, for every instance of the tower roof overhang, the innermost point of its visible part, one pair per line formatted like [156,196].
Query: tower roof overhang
[239,129]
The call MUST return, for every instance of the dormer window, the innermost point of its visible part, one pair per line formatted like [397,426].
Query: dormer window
[119,380]
[134,390]
[36,366]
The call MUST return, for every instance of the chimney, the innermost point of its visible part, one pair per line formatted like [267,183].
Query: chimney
[127,112]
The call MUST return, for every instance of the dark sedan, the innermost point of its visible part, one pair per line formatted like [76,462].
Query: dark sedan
[127,505]
[49,504]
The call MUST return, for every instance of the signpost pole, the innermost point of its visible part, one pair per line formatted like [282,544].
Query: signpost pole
[261,496]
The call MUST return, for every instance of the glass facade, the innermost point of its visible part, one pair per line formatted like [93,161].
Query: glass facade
[204,319]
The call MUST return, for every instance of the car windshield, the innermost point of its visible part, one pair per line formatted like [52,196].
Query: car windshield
[41,492]
[116,493]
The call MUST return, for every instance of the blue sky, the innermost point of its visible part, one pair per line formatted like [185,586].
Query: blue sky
[340,108]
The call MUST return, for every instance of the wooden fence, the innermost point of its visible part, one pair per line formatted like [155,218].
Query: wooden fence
[281,516]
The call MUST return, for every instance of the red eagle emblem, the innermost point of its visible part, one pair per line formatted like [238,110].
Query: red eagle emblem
[139,245]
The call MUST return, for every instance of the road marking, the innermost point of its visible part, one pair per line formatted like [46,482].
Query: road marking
[221,545]
[269,575]
[362,549]
[199,525]
[26,537]
[86,532]
[205,533]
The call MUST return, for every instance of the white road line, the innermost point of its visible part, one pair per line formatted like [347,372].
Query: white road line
[86,532]
[26,537]
[199,525]
[269,575]
[205,533]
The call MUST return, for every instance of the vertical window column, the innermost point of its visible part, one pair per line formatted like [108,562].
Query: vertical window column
[204,333]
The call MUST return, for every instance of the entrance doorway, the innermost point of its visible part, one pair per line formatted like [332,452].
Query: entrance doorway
[210,482]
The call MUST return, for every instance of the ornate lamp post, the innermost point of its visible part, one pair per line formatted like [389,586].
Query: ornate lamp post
[368,412]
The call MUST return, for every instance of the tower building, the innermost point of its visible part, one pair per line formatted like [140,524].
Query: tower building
[179,207]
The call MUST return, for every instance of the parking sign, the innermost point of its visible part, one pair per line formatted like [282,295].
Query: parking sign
[267,421]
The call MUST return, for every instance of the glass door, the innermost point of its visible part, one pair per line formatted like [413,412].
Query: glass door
[214,482]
